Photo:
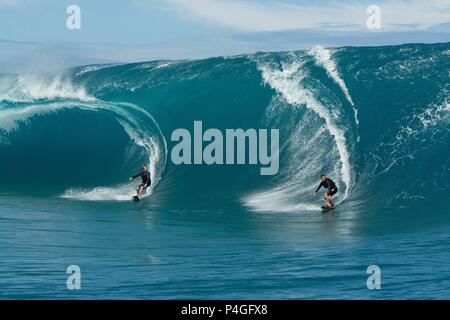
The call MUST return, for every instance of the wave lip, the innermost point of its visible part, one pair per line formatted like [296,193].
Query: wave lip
[30,87]
[323,57]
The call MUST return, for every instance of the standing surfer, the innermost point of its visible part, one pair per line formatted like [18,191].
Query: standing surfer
[146,181]
[332,190]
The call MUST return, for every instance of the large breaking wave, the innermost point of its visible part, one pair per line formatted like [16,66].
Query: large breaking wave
[374,119]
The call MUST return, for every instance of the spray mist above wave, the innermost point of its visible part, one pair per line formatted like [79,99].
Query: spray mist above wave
[32,87]
[94,67]
[315,140]
[137,123]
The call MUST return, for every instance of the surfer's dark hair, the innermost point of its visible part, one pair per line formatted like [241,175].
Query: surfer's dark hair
[322,175]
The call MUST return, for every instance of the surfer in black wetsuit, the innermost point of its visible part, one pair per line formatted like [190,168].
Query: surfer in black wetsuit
[146,180]
[332,190]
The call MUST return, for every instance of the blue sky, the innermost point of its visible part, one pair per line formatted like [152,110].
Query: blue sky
[118,21]
[134,30]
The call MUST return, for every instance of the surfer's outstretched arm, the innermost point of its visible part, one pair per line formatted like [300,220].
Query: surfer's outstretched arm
[135,176]
[315,192]
[318,188]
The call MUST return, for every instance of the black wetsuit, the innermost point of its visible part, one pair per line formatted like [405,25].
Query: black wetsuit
[330,185]
[145,176]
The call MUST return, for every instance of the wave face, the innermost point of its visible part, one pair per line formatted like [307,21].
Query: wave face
[374,119]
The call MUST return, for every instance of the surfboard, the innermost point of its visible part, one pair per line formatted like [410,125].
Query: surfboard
[136,198]
[326,208]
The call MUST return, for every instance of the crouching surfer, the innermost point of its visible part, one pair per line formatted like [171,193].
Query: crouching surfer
[146,181]
[332,190]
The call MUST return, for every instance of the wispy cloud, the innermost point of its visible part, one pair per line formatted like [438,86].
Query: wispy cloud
[397,15]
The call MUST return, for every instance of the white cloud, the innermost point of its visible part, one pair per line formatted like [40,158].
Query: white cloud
[396,15]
